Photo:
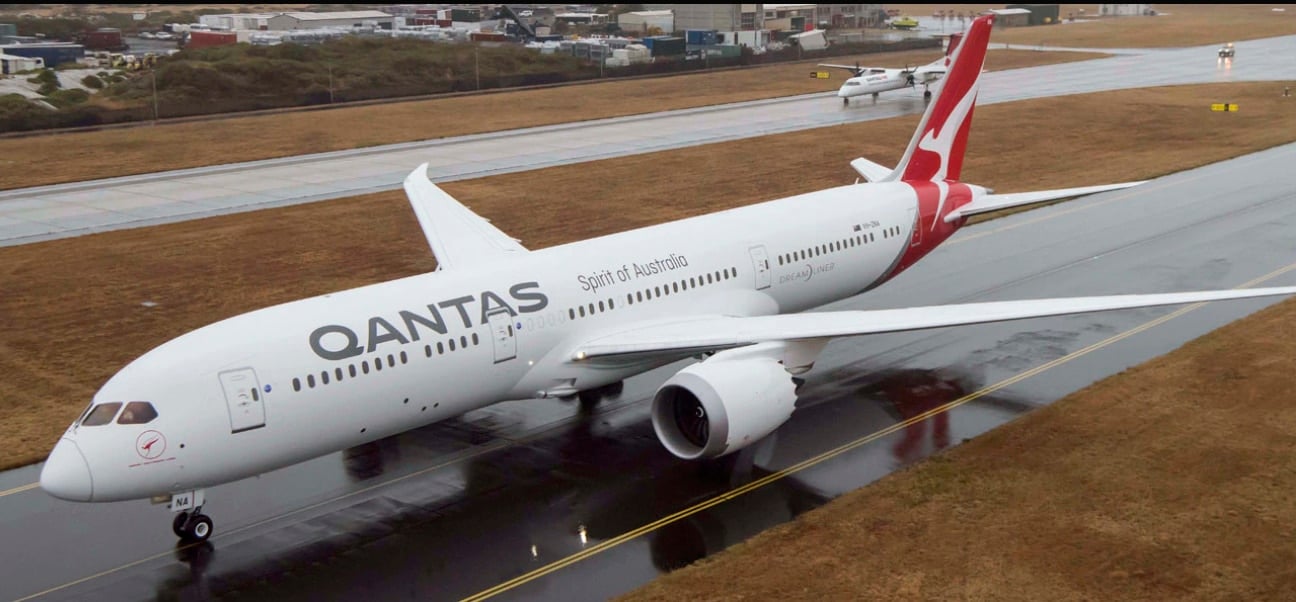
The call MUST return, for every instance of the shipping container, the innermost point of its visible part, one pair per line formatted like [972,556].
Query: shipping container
[487,36]
[722,51]
[467,15]
[700,37]
[10,64]
[666,46]
[208,39]
[54,54]
[105,38]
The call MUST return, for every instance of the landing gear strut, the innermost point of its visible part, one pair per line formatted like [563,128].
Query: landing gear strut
[190,524]
[846,102]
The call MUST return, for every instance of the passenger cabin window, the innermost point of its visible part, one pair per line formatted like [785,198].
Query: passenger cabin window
[137,412]
[102,414]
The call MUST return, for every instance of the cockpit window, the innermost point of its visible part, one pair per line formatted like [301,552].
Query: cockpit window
[137,412]
[102,414]
[852,83]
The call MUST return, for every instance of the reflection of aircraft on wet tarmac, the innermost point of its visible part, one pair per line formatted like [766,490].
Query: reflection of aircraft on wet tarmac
[499,322]
[578,485]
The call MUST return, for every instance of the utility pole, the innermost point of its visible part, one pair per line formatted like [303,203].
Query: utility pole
[477,64]
[330,71]
[155,98]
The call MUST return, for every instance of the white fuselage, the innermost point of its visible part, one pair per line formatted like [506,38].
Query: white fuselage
[874,81]
[291,382]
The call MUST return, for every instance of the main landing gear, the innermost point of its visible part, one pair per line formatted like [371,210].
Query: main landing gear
[190,524]
[592,397]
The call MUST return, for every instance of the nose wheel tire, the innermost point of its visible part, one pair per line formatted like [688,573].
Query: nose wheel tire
[178,525]
[192,528]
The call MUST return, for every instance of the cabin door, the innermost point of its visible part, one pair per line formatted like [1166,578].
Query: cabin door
[505,339]
[244,398]
[761,266]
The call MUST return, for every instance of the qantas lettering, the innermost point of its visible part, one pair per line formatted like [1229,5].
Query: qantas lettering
[337,342]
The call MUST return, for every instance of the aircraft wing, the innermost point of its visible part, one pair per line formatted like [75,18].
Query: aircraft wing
[458,236]
[995,202]
[710,333]
[851,68]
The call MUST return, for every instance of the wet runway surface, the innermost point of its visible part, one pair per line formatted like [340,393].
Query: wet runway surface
[532,500]
[41,213]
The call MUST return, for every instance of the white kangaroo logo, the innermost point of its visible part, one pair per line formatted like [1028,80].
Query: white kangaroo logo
[941,143]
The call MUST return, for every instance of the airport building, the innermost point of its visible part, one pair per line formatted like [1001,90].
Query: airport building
[849,16]
[355,18]
[297,20]
[645,20]
[717,17]
[1125,10]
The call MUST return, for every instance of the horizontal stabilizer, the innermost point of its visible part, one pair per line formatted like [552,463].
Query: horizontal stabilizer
[709,333]
[458,236]
[995,202]
[870,171]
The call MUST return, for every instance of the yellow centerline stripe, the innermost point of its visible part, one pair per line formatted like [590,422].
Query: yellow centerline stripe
[19,489]
[828,455]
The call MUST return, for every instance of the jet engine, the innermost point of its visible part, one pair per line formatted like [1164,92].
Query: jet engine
[721,405]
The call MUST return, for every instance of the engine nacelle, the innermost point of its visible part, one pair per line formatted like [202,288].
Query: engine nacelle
[722,405]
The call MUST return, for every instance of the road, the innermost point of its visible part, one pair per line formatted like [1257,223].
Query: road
[42,213]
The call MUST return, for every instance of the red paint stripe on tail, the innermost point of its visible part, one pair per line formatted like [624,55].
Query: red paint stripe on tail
[938,154]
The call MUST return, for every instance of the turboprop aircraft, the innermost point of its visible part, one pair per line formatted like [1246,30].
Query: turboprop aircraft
[874,80]
[497,322]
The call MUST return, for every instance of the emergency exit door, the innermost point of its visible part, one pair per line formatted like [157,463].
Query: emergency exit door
[761,266]
[505,340]
[244,398]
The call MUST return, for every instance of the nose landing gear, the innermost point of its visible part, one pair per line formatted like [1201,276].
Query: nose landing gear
[190,524]
[196,527]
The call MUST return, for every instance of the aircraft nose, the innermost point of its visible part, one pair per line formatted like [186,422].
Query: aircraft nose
[66,474]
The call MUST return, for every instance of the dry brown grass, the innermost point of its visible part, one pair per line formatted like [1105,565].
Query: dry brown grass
[1180,25]
[1169,481]
[72,307]
[60,158]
